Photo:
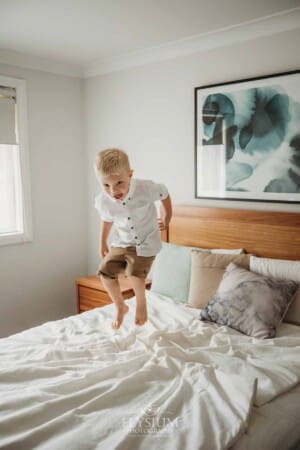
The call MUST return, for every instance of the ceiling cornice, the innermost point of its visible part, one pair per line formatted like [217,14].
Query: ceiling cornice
[38,63]
[265,26]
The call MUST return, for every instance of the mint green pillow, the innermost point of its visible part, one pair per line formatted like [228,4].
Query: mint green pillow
[171,272]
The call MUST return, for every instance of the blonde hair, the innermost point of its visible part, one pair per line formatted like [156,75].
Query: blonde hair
[111,161]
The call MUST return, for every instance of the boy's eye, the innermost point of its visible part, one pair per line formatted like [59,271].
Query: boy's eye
[106,185]
[120,182]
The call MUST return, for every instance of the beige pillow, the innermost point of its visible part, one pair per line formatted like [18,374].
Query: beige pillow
[206,274]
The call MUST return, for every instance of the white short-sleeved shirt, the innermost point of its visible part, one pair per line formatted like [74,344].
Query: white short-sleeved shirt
[135,216]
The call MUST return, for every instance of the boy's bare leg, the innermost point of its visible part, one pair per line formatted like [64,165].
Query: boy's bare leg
[138,285]
[113,288]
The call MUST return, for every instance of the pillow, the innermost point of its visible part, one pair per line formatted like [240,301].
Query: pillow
[171,272]
[222,251]
[206,273]
[250,303]
[280,269]
[172,268]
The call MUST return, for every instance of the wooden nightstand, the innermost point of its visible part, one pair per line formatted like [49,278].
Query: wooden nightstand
[91,294]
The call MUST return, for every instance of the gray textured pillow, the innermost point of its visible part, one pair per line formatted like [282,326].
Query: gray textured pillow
[250,303]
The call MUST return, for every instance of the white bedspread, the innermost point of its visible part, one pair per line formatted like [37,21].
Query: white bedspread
[175,383]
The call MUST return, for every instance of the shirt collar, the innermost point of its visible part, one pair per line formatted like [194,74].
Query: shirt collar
[130,190]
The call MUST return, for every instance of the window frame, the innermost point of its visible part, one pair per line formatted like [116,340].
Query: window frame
[22,123]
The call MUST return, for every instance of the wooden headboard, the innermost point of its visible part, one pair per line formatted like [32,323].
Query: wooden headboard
[263,233]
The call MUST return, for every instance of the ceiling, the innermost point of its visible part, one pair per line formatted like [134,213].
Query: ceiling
[83,31]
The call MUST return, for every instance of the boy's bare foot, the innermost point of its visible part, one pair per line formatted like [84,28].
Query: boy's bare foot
[141,313]
[121,311]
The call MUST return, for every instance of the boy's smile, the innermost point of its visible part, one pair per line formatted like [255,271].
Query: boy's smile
[117,185]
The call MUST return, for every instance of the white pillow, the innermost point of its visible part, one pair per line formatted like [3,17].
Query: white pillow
[280,269]
[276,268]
[222,251]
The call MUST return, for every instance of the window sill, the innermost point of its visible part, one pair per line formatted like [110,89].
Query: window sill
[14,238]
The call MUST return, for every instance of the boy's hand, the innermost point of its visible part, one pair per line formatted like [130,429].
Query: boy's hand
[162,223]
[166,213]
[103,251]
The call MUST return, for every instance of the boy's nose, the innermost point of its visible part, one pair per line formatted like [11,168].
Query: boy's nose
[113,191]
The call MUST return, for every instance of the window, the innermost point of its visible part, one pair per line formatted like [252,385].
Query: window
[15,209]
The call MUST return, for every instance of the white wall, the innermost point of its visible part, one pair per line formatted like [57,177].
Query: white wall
[149,112]
[37,278]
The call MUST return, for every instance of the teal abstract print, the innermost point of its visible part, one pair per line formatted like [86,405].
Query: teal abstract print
[248,139]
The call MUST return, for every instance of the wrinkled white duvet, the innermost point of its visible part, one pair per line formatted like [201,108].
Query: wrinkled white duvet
[175,383]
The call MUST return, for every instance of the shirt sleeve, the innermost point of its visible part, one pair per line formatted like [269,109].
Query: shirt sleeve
[102,209]
[157,191]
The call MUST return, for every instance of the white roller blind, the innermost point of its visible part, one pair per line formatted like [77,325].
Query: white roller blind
[9,189]
[7,117]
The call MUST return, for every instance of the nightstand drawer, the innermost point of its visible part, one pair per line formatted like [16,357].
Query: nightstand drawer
[92,294]
[90,298]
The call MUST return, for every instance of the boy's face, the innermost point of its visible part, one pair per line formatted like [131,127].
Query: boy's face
[117,185]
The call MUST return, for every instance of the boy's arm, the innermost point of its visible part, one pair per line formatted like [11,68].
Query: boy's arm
[104,232]
[166,213]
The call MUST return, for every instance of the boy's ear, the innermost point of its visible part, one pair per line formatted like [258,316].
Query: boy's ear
[130,173]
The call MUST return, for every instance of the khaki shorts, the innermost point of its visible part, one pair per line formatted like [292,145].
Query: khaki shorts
[125,260]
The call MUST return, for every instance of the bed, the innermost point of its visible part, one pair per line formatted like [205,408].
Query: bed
[176,383]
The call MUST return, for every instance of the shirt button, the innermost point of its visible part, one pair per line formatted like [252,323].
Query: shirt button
[128,218]
[131,228]
[124,203]
[135,237]
[160,195]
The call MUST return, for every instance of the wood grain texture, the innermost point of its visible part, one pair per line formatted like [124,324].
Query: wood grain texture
[266,234]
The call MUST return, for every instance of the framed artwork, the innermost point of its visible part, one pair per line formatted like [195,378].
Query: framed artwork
[247,139]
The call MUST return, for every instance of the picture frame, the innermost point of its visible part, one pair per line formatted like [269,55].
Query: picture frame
[247,139]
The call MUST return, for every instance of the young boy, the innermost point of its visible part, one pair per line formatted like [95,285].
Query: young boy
[128,204]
